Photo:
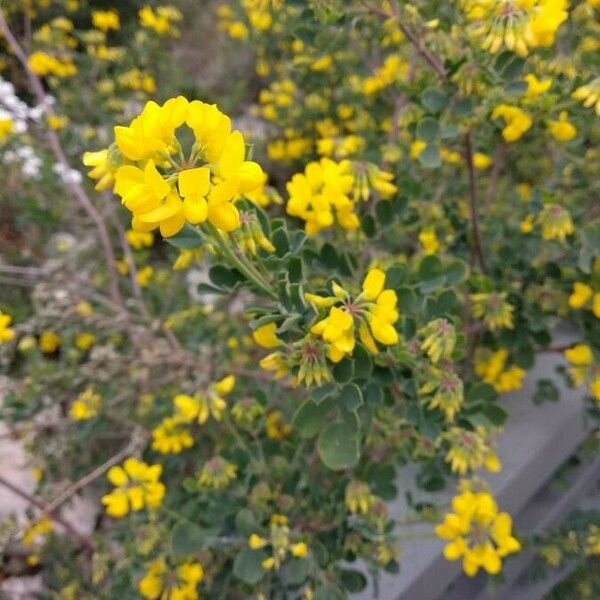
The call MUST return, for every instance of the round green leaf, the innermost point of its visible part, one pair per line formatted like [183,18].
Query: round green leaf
[338,446]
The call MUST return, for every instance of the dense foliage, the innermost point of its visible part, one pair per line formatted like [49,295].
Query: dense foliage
[295,302]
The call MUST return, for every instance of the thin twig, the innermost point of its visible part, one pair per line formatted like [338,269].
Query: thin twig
[435,63]
[86,541]
[90,477]
[476,247]
[499,159]
[55,145]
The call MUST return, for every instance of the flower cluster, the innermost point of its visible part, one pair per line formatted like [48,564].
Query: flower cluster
[279,543]
[137,486]
[517,25]
[373,311]
[164,189]
[477,533]
[320,196]
[176,583]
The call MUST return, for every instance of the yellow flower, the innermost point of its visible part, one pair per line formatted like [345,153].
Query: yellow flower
[171,436]
[84,341]
[581,295]
[517,121]
[556,222]
[416,148]
[359,498]
[429,241]
[589,95]
[160,21]
[491,367]
[299,550]
[163,192]
[49,342]
[84,309]
[481,161]
[319,196]
[104,20]
[255,542]
[217,473]
[477,533]
[265,336]
[56,122]
[595,307]
[42,63]
[338,331]
[144,276]
[6,333]
[200,406]
[34,531]
[163,582]
[375,310]
[446,390]
[137,485]
[102,170]
[470,450]
[580,355]
[526,225]
[139,239]
[493,309]
[86,406]
[276,426]
[563,130]
[535,86]
[275,362]
[524,191]
[440,339]
[6,126]
[595,388]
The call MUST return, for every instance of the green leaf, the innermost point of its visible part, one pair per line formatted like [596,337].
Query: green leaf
[343,371]
[187,538]
[294,265]
[384,212]
[496,414]
[395,276]
[362,363]
[351,396]
[329,592]
[430,157]
[189,237]
[480,392]
[373,394]
[245,522]
[433,99]
[247,566]
[354,581]
[329,256]
[298,570]
[224,277]
[323,392]
[308,418]
[338,446]
[456,272]
[545,391]
[281,242]
[206,288]
[368,226]
[428,130]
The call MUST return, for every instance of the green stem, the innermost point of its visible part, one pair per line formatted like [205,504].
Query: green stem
[240,264]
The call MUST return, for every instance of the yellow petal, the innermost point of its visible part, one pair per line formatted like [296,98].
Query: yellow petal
[373,284]
[194,182]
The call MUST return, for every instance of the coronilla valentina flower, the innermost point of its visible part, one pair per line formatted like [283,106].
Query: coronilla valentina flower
[477,533]
[163,188]
[373,312]
[137,485]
